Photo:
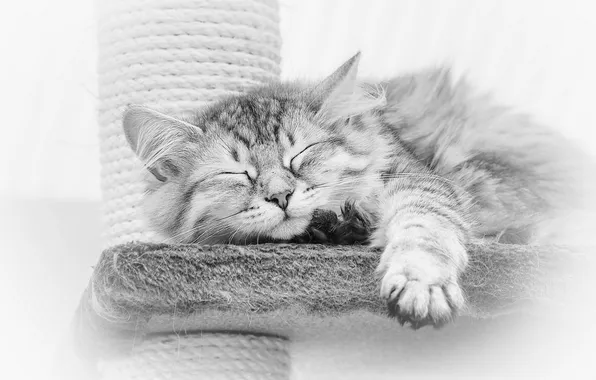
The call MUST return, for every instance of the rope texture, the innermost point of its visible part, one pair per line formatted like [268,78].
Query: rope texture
[173,55]
[203,356]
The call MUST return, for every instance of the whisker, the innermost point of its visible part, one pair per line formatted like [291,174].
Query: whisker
[233,235]
[209,234]
[174,237]
[231,215]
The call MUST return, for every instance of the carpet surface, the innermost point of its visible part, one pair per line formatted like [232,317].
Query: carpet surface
[144,279]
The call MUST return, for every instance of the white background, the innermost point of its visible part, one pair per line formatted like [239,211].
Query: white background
[538,56]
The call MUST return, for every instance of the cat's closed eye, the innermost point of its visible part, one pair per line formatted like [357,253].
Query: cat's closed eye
[296,161]
[244,174]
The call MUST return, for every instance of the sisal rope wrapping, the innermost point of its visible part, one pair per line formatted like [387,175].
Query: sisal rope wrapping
[203,356]
[175,56]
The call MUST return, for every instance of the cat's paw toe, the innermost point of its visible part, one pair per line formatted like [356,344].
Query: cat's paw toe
[421,302]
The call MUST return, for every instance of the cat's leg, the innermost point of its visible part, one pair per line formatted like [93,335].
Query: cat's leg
[423,231]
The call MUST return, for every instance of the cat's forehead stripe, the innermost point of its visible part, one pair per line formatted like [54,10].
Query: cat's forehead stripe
[252,119]
[241,135]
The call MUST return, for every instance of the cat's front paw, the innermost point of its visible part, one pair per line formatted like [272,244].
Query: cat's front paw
[420,288]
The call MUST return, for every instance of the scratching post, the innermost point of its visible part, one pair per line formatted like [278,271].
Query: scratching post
[176,56]
[204,356]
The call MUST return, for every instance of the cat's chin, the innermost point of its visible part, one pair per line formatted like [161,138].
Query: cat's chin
[289,228]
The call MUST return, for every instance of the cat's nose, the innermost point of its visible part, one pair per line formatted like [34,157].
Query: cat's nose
[281,199]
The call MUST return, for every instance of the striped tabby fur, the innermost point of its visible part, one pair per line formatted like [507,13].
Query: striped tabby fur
[430,163]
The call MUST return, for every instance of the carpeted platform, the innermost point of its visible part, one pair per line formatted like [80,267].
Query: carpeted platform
[138,288]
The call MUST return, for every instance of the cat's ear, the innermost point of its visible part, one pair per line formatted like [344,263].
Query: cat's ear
[337,85]
[340,95]
[158,139]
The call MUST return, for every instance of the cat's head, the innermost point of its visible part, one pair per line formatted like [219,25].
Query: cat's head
[256,166]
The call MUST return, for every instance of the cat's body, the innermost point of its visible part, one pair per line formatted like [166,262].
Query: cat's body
[431,165]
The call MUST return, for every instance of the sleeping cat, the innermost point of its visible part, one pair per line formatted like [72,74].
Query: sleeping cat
[430,165]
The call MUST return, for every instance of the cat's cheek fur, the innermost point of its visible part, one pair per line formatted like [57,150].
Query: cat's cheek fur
[158,204]
[258,217]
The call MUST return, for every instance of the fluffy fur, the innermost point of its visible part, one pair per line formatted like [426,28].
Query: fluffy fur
[428,163]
